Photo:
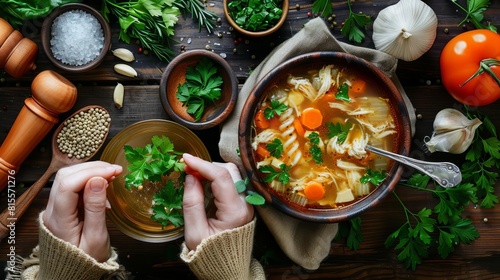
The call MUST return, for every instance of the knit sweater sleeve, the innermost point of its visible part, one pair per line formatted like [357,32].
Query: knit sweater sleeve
[55,258]
[226,255]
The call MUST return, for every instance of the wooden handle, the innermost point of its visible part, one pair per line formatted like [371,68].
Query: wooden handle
[15,211]
[52,94]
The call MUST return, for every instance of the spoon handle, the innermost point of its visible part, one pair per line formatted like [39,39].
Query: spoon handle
[9,217]
[446,174]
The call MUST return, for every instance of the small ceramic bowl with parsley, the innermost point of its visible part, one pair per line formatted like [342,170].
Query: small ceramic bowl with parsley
[256,18]
[198,89]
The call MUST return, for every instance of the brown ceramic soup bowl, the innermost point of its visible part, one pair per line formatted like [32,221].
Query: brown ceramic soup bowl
[307,63]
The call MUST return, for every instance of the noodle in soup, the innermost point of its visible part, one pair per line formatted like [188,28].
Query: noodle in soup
[311,131]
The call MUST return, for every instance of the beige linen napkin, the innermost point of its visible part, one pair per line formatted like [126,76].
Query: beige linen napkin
[305,243]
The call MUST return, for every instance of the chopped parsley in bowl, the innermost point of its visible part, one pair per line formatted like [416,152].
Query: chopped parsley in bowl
[256,18]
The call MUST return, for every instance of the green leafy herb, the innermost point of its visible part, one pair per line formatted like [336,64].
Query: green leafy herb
[201,89]
[482,161]
[444,226]
[315,150]
[373,176]
[16,12]
[474,13]
[197,10]
[350,231]
[281,175]
[255,15]
[151,162]
[152,22]
[339,130]
[277,108]
[417,235]
[353,24]
[343,93]
[252,197]
[275,148]
[167,205]
[322,7]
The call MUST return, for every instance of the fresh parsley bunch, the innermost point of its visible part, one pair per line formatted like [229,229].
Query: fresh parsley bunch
[152,22]
[202,88]
[443,227]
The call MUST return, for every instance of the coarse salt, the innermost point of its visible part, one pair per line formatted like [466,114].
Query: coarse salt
[77,38]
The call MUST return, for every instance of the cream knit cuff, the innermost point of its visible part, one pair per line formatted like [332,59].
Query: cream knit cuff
[226,255]
[62,260]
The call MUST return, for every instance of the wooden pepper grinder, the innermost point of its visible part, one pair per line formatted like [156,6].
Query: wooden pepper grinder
[17,54]
[52,94]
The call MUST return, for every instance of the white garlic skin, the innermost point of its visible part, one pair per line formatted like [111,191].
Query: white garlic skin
[405,30]
[453,132]
[451,119]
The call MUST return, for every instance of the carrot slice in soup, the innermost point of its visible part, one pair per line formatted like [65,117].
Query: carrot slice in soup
[314,190]
[299,128]
[311,118]
[260,120]
[358,86]
[275,122]
[262,151]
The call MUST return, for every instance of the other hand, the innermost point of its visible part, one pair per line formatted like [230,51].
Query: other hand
[76,211]
[231,208]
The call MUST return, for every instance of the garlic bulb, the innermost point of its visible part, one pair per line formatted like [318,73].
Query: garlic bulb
[405,30]
[453,132]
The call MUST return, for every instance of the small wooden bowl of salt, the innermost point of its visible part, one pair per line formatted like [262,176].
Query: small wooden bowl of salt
[76,37]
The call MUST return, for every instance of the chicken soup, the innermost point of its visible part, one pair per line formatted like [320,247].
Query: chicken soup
[310,134]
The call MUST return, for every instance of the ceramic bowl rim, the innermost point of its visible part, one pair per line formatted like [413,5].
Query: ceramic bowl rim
[310,214]
[46,30]
[285,7]
[230,103]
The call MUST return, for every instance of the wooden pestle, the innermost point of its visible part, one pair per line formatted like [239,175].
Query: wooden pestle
[52,94]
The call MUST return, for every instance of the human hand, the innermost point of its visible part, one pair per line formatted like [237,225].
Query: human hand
[76,211]
[231,208]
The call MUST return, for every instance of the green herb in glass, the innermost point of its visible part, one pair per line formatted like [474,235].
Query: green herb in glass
[152,163]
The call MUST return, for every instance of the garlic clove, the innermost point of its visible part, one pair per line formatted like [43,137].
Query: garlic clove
[405,30]
[454,141]
[124,54]
[125,70]
[118,95]
[451,119]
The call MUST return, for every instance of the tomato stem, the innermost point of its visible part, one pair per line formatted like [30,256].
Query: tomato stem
[484,66]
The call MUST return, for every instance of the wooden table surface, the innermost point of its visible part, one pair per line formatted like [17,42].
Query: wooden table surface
[420,78]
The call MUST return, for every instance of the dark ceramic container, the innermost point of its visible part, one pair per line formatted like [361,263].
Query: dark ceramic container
[317,60]
[46,36]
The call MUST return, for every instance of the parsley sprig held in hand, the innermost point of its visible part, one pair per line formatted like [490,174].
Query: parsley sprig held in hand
[151,163]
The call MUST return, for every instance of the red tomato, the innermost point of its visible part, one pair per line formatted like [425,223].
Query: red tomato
[476,51]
